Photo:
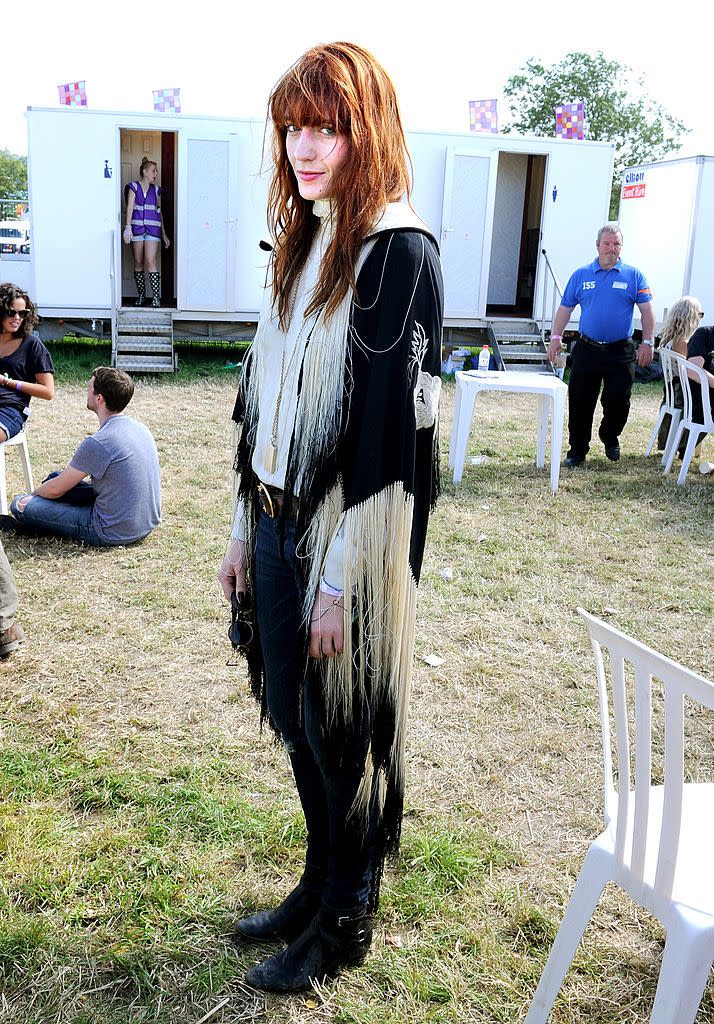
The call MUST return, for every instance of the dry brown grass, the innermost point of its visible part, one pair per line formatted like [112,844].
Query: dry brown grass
[126,657]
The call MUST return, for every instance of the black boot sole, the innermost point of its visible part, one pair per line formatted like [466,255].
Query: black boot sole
[317,955]
[269,981]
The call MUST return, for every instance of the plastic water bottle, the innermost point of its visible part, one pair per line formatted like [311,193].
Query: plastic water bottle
[484,358]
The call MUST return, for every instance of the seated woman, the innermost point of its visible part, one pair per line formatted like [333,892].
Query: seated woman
[681,323]
[700,351]
[26,369]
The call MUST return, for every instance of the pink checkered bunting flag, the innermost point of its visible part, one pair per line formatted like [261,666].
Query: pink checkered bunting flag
[483,116]
[167,100]
[570,121]
[73,94]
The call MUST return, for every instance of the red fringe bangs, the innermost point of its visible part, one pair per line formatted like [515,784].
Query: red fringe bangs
[307,97]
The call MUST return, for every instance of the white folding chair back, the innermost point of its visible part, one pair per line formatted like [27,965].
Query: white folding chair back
[658,840]
[696,428]
[21,440]
[668,407]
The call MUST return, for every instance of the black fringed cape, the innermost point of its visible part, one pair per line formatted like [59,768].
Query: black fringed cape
[375,479]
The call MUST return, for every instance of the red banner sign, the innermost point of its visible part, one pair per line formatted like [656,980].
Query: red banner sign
[634,191]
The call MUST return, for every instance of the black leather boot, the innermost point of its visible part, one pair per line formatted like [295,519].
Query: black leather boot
[335,939]
[288,920]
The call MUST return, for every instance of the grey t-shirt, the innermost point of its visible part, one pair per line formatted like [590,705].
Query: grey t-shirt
[122,460]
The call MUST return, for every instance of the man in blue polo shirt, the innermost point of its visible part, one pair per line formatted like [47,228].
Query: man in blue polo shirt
[607,291]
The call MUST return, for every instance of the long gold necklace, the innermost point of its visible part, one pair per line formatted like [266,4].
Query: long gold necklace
[271,457]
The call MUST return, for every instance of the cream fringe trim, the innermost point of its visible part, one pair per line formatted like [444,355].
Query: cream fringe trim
[319,410]
[377,535]
[315,543]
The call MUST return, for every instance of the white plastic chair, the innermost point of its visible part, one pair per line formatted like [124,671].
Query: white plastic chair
[668,407]
[659,840]
[21,440]
[696,429]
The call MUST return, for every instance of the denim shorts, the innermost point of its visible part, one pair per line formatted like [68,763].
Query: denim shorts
[12,420]
[145,238]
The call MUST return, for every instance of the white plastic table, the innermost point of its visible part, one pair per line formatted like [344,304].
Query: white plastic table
[551,392]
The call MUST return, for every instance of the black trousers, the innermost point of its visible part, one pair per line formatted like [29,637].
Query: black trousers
[595,367]
[336,860]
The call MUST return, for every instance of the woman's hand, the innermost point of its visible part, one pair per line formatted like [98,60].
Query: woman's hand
[166,241]
[126,234]
[327,626]
[231,574]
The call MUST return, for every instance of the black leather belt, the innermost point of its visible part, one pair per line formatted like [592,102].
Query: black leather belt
[603,344]
[272,502]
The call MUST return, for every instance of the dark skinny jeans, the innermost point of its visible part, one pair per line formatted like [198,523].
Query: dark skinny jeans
[333,857]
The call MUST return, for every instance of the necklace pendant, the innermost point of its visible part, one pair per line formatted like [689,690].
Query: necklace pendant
[271,458]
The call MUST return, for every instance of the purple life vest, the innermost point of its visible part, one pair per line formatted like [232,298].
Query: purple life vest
[145,217]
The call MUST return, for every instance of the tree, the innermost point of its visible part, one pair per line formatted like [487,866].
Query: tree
[617,108]
[13,175]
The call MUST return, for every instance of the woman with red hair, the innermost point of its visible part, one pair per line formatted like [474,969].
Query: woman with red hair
[338,470]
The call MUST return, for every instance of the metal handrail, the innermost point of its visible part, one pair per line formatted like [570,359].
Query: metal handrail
[113,292]
[550,284]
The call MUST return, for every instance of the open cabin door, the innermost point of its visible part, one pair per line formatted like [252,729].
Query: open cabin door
[207,276]
[160,147]
[466,227]
[516,235]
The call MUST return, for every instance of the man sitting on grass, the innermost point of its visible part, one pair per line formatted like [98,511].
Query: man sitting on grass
[122,504]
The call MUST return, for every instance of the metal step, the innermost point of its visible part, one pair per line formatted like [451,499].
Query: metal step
[517,339]
[543,367]
[143,340]
[145,364]
[511,354]
[143,314]
[130,343]
[160,330]
[513,326]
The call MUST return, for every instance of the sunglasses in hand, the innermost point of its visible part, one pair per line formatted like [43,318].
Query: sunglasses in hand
[240,631]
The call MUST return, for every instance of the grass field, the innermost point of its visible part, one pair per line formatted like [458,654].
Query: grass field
[142,812]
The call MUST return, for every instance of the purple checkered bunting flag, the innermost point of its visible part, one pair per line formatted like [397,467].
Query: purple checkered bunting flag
[73,94]
[570,121]
[167,100]
[483,116]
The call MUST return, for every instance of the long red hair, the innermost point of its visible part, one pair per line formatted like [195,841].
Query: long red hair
[342,85]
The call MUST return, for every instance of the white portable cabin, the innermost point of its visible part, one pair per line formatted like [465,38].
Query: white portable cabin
[667,221]
[494,203]
[79,162]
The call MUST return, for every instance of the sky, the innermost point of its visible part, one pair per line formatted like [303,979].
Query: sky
[225,58]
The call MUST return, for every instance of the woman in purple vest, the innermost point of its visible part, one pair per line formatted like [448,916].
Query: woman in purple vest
[145,229]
